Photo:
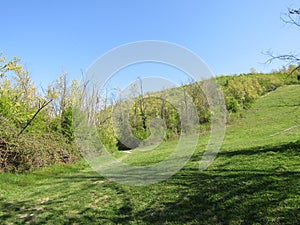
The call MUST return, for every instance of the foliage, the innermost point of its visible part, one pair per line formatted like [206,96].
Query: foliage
[243,90]
[12,65]
[240,93]
[32,150]
[67,124]
[49,137]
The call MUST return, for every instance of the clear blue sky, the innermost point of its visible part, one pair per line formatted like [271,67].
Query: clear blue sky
[55,36]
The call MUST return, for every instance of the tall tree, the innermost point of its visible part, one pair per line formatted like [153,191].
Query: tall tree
[62,105]
[18,95]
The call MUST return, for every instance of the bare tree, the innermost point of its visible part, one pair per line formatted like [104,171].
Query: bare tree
[142,105]
[292,16]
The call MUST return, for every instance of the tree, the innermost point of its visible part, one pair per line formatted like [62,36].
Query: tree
[62,96]
[18,95]
[11,65]
[142,105]
[292,16]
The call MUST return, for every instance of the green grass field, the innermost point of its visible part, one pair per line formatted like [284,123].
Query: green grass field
[254,180]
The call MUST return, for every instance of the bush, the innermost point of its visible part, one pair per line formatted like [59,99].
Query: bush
[232,104]
[29,151]
[242,91]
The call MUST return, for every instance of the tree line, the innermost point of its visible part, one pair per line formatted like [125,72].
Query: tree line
[240,92]
[36,127]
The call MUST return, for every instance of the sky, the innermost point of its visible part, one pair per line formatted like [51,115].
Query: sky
[53,37]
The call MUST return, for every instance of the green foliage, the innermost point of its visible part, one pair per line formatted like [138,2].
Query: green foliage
[270,82]
[240,93]
[243,90]
[232,104]
[10,66]
[49,137]
[32,150]
[66,124]
[105,129]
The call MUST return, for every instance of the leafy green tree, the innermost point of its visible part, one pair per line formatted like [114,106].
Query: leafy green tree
[19,97]
[22,109]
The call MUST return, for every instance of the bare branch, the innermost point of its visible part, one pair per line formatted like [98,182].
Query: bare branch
[290,58]
[3,67]
[294,11]
[36,113]
[292,17]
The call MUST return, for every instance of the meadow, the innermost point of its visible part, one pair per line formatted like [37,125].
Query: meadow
[255,179]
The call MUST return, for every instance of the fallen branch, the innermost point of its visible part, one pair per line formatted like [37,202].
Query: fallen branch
[37,112]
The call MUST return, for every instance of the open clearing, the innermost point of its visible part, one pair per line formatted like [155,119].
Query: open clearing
[254,180]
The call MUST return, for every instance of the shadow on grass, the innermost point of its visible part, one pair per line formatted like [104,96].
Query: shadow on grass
[74,199]
[226,198]
[289,148]
[217,196]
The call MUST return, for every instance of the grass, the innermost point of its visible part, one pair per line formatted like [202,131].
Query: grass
[254,180]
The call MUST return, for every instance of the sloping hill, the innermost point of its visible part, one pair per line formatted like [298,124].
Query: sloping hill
[254,180]
[274,118]
[274,121]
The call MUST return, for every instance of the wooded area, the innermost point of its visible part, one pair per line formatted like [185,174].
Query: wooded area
[37,130]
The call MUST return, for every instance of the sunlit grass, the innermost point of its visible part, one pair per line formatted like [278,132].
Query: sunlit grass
[254,180]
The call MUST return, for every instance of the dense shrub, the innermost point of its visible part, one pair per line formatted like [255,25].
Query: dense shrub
[241,91]
[29,150]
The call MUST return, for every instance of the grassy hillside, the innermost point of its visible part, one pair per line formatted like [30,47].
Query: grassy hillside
[254,180]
